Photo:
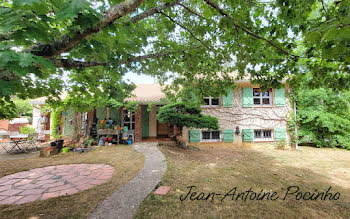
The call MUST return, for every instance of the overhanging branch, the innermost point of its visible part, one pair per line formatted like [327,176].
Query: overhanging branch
[67,63]
[222,12]
[65,43]
[185,28]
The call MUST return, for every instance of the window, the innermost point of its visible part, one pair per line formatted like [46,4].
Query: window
[211,101]
[128,119]
[262,98]
[262,134]
[211,136]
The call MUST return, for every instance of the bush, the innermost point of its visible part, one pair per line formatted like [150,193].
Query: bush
[26,130]
[281,145]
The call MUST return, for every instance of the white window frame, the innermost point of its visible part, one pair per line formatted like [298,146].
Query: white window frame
[211,136]
[261,98]
[210,102]
[271,138]
[131,120]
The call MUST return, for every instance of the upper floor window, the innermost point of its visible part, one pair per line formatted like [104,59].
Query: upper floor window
[211,101]
[261,98]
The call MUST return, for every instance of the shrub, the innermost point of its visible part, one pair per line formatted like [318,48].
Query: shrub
[26,130]
[281,145]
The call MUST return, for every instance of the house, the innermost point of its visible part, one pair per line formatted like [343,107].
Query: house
[245,114]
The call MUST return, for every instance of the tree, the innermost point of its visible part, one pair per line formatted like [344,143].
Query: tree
[323,116]
[23,107]
[185,115]
[187,39]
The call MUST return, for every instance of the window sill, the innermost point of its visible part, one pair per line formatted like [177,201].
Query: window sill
[210,107]
[211,141]
[262,106]
[264,141]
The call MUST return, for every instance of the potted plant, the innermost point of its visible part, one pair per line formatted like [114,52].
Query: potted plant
[58,142]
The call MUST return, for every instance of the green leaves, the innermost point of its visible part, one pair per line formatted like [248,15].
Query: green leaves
[181,114]
[70,9]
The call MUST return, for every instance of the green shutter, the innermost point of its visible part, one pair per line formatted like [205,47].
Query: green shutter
[227,135]
[248,134]
[145,121]
[247,97]
[114,115]
[101,113]
[280,99]
[195,135]
[227,101]
[280,134]
[68,128]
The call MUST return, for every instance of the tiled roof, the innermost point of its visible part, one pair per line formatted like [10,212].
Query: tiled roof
[146,93]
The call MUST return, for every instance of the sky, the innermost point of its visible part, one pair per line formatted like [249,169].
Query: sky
[139,79]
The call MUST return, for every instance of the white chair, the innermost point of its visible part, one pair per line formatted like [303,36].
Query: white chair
[131,135]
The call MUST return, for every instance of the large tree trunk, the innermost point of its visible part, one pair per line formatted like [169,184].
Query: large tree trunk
[178,136]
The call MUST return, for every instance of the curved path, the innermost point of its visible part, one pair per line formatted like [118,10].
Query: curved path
[124,202]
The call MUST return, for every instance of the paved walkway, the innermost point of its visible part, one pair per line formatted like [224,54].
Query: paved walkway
[52,181]
[124,202]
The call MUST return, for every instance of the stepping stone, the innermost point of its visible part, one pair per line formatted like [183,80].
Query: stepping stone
[162,190]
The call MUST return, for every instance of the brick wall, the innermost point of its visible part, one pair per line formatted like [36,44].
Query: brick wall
[138,125]
[4,125]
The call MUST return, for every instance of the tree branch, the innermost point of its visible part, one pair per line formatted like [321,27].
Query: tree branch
[222,12]
[66,43]
[192,11]
[67,63]
[192,34]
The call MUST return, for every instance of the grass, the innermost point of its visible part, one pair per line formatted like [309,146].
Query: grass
[216,168]
[127,164]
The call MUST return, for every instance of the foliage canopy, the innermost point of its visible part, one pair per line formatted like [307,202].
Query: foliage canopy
[184,115]
[323,117]
[96,42]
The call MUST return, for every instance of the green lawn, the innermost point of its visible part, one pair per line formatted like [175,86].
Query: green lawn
[218,169]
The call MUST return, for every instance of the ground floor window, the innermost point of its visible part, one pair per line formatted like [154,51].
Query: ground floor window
[211,136]
[128,119]
[263,134]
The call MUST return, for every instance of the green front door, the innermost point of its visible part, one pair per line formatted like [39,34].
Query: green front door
[145,121]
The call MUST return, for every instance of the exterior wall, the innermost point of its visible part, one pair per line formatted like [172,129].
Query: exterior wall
[138,125]
[36,116]
[153,122]
[4,125]
[247,117]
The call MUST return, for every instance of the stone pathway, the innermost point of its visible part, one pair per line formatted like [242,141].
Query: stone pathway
[124,202]
[52,181]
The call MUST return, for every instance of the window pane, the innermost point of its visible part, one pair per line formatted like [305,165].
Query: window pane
[205,135]
[127,125]
[266,101]
[266,94]
[133,118]
[256,92]
[215,101]
[133,126]
[256,101]
[206,101]
[215,134]
[267,133]
[257,133]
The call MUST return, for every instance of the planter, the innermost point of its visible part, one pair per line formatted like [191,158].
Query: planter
[48,151]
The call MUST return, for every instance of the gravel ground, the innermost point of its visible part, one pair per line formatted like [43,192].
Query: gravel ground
[124,202]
